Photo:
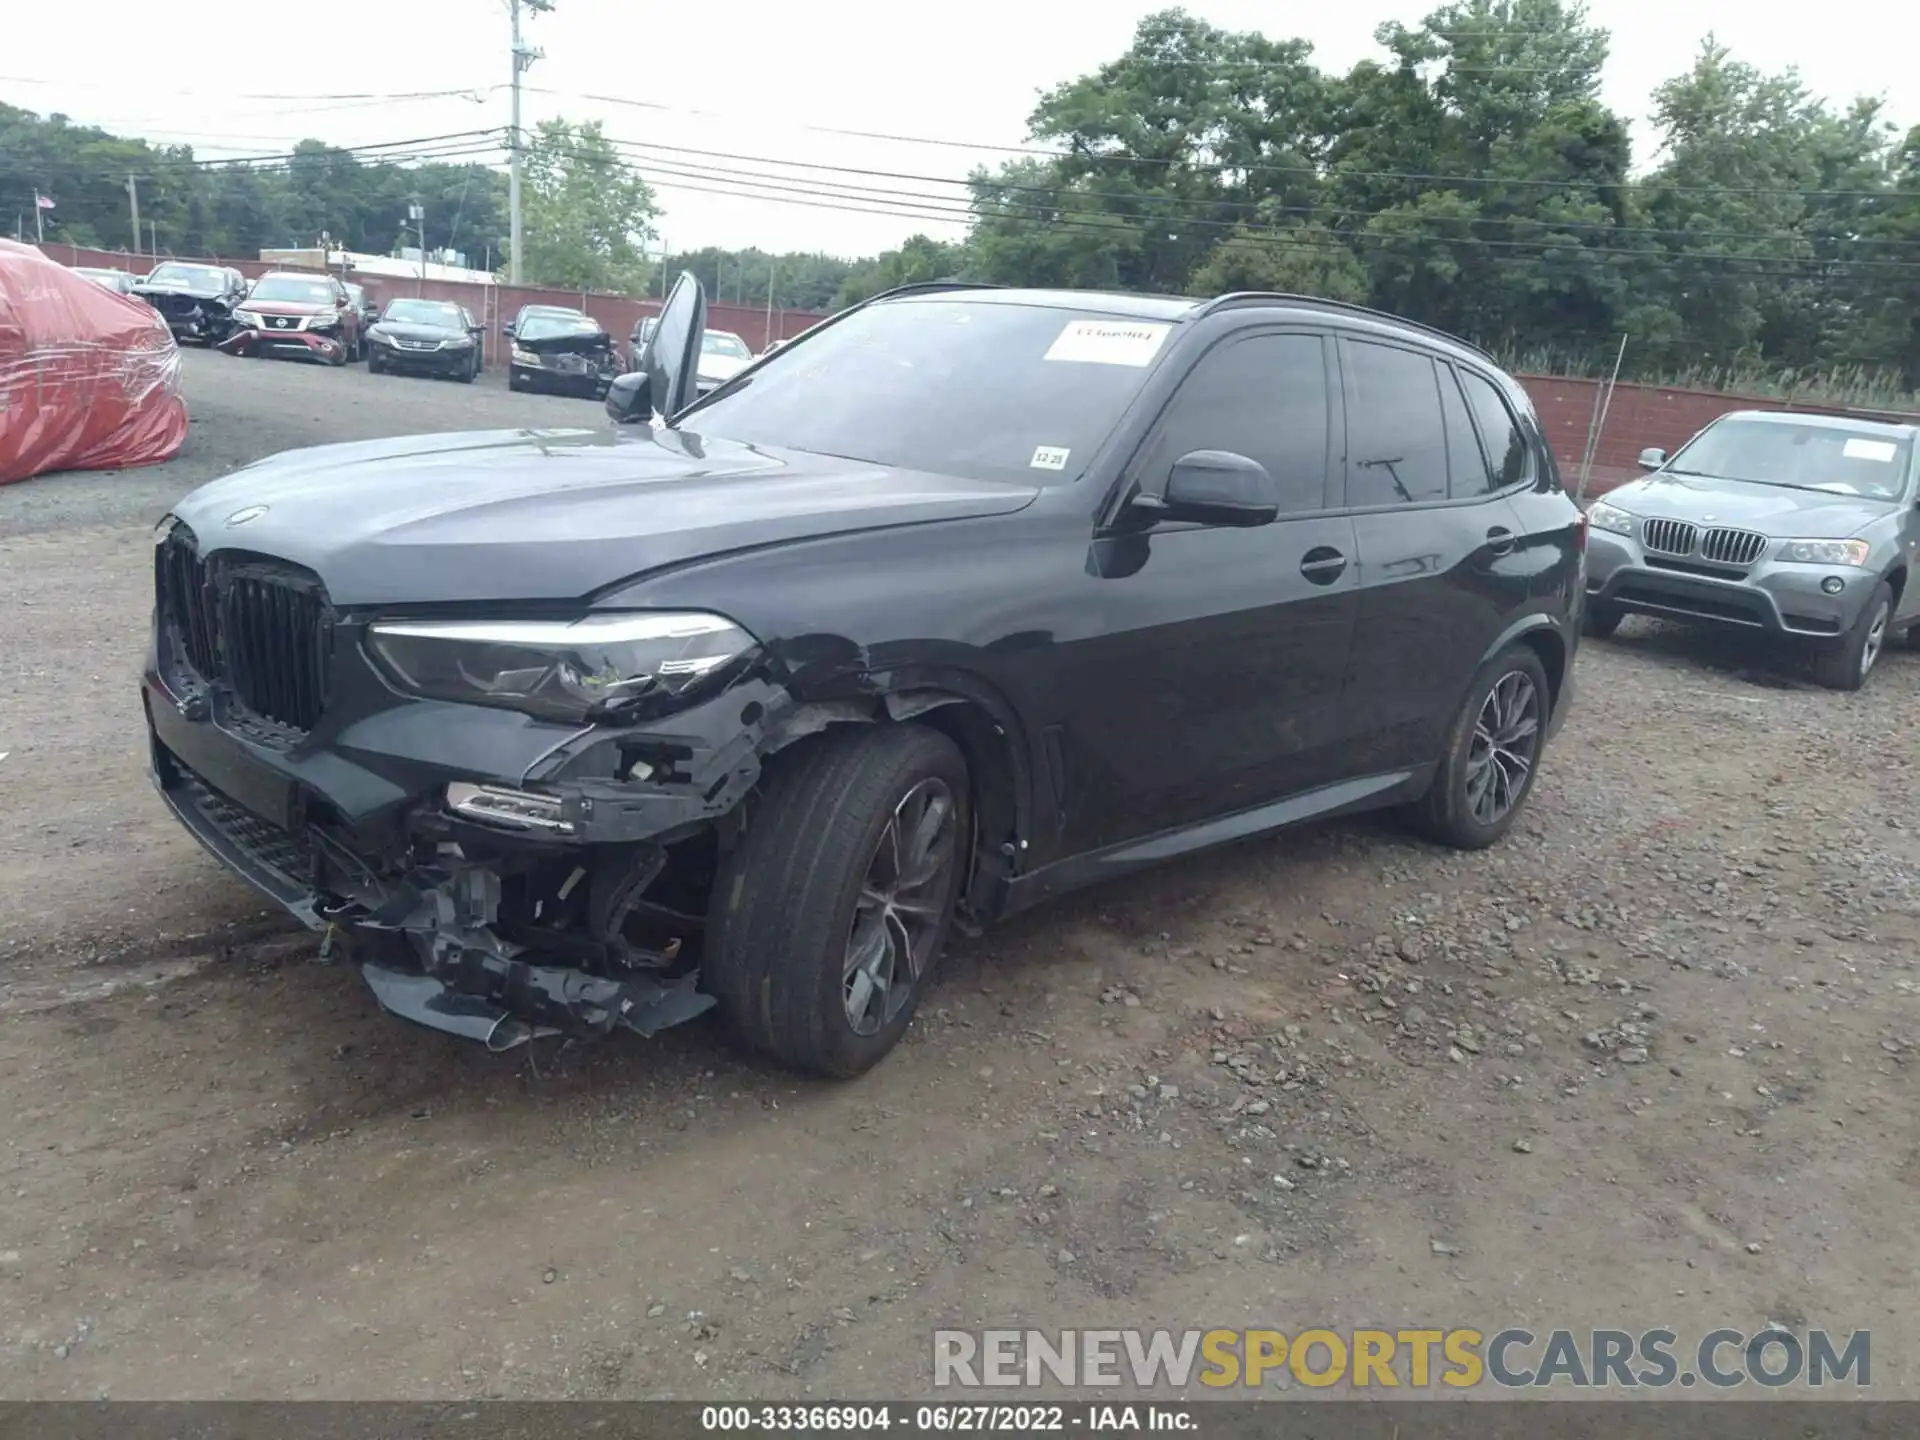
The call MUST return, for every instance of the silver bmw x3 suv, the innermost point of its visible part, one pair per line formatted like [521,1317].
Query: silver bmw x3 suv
[1806,527]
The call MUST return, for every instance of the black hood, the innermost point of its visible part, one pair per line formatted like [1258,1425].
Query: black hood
[413,330]
[521,515]
[180,288]
[574,342]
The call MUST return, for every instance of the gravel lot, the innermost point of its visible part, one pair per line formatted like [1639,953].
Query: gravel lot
[1650,1062]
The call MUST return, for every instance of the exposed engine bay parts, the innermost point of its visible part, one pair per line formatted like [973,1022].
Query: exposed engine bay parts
[89,378]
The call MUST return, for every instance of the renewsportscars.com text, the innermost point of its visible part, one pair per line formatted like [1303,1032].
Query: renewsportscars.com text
[1457,1358]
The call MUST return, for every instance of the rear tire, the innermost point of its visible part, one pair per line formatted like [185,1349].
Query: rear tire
[1494,747]
[1846,666]
[829,916]
[1601,619]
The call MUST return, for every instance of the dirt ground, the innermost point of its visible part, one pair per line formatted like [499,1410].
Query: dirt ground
[1651,1062]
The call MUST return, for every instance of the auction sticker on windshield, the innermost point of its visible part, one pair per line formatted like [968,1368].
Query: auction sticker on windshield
[1858,449]
[1107,342]
[1048,457]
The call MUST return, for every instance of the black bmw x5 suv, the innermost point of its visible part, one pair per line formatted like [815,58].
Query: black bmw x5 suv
[966,598]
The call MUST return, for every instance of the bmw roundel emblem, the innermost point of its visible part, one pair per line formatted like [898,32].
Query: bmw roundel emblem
[242,517]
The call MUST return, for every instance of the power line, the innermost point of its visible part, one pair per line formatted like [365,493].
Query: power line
[958,208]
[1193,205]
[1324,172]
[468,91]
[948,209]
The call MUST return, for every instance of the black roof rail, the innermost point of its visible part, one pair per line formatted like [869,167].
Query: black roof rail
[928,287]
[1347,307]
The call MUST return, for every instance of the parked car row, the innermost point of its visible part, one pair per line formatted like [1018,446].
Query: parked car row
[304,313]
[552,348]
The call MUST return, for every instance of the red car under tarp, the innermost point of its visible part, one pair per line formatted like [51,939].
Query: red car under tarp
[89,379]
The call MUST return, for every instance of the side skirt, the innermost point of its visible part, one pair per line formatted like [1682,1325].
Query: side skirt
[1345,797]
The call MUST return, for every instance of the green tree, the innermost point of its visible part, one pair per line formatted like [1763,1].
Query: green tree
[588,214]
[919,260]
[1291,259]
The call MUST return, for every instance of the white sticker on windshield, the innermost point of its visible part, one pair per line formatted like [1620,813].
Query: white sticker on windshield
[1108,342]
[1048,457]
[1881,450]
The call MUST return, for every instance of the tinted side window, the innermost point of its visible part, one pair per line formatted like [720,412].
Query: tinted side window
[1396,440]
[1466,466]
[1505,441]
[1264,397]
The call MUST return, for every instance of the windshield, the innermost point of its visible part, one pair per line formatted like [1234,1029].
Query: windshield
[1870,460]
[187,277]
[719,342]
[546,327]
[425,312]
[988,391]
[293,290]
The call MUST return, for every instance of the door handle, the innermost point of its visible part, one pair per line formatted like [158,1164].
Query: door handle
[1323,564]
[1500,540]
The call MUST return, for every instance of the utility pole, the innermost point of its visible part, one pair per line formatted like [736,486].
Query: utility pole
[133,199]
[773,267]
[417,213]
[523,58]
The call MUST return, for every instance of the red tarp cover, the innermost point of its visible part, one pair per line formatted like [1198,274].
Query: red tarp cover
[89,379]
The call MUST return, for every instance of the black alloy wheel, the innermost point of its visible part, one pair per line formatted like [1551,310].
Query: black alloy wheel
[1493,752]
[901,912]
[1506,742]
[829,914]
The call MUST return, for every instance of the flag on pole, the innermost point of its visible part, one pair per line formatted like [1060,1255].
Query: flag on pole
[42,202]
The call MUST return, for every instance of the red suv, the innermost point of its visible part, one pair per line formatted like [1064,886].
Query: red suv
[299,312]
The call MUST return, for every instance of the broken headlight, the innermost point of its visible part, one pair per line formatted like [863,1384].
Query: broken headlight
[604,667]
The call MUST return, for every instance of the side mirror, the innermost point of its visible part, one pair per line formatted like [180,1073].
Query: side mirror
[507,330]
[1215,487]
[1652,458]
[630,399]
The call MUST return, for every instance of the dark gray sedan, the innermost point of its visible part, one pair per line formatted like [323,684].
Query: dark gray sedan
[1802,526]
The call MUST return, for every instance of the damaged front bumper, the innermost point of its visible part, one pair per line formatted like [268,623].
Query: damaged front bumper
[519,901]
[190,317]
[320,344]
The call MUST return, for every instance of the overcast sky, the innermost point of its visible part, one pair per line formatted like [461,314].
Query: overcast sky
[769,80]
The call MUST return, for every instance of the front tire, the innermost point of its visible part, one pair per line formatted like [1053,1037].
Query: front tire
[1493,753]
[1601,619]
[374,367]
[514,380]
[828,917]
[1846,666]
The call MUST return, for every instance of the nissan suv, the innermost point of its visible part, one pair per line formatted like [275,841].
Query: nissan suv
[1802,527]
[965,598]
